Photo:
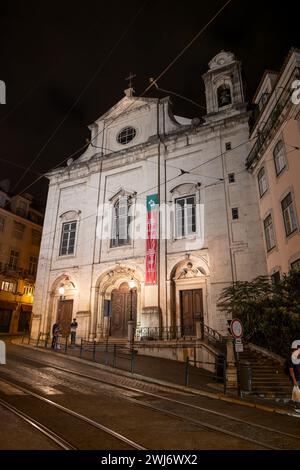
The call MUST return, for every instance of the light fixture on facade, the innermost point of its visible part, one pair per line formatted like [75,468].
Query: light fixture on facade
[61,290]
[132,284]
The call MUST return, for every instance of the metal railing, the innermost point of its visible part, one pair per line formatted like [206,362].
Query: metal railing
[114,355]
[43,338]
[164,333]
[176,333]
[195,372]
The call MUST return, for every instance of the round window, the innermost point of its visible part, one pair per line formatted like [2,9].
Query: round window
[126,135]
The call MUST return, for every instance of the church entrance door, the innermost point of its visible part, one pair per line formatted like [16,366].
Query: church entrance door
[64,315]
[191,306]
[123,308]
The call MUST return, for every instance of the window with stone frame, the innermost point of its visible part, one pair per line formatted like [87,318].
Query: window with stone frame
[126,135]
[275,278]
[33,262]
[14,259]
[262,181]
[22,208]
[36,237]
[235,213]
[28,289]
[289,214]
[68,236]
[121,222]
[231,178]
[185,216]
[279,157]
[224,95]
[295,265]
[9,286]
[269,233]
[18,230]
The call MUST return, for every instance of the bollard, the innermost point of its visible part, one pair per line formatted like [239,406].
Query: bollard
[66,344]
[94,351]
[132,362]
[186,374]
[115,356]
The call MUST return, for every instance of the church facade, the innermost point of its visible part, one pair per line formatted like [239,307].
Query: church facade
[154,219]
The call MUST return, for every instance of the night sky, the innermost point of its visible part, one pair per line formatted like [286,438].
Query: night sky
[50,51]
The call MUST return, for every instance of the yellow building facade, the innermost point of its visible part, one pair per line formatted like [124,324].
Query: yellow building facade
[274,161]
[20,235]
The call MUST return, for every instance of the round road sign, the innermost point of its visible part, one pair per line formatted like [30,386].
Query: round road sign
[236,328]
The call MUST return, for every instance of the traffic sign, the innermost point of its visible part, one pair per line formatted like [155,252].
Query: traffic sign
[236,328]
[238,345]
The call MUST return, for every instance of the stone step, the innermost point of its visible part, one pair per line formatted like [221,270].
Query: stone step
[270,381]
[268,377]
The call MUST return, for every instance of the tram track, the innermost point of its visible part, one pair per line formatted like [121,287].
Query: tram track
[199,416]
[47,432]
[127,444]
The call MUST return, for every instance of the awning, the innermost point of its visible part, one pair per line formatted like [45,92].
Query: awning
[5,305]
[26,308]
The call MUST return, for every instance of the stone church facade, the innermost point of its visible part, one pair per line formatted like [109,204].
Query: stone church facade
[196,169]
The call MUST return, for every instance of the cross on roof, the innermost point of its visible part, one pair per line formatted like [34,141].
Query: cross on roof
[129,79]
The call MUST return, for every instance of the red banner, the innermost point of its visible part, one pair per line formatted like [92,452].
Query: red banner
[151,242]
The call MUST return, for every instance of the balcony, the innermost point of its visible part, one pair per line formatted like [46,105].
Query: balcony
[15,271]
[282,103]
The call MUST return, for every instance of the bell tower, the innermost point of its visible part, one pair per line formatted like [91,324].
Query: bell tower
[223,85]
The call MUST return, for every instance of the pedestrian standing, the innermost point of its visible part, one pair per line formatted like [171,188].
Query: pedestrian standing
[54,335]
[294,371]
[74,326]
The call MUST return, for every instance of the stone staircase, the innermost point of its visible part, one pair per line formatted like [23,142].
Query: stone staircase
[268,377]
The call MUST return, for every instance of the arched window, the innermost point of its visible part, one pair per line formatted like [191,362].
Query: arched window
[279,158]
[224,95]
[121,222]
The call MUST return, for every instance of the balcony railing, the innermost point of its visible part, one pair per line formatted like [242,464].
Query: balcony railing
[281,104]
[6,268]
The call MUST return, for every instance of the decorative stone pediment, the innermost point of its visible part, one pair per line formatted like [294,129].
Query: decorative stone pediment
[221,59]
[128,104]
[121,270]
[190,271]
[122,192]
[70,215]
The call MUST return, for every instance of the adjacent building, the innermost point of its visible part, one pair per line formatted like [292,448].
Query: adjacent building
[186,181]
[274,161]
[20,236]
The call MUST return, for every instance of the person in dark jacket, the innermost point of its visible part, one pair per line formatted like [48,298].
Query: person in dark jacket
[55,331]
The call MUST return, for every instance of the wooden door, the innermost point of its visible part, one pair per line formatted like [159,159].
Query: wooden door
[191,306]
[123,305]
[64,315]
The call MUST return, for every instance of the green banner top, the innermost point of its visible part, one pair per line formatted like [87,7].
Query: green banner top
[152,202]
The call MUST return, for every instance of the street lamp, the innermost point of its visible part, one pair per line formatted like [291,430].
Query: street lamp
[61,291]
[131,284]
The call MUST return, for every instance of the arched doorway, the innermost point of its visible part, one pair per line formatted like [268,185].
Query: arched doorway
[62,304]
[123,309]
[189,294]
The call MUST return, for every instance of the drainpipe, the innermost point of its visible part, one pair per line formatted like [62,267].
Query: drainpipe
[93,327]
[159,215]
